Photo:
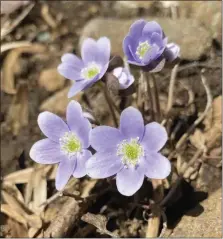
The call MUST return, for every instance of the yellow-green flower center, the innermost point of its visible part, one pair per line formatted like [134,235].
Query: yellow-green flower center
[90,71]
[130,152]
[70,144]
[142,49]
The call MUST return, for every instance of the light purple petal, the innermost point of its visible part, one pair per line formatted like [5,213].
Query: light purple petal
[136,63]
[46,151]
[157,39]
[136,28]
[80,170]
[131,123]
[150,28]
[152,54]
[89,51]
[126,43]
[77,123]
[103,164]
[69,72]
[77,87]
[171,52]
[105,137]
[104,49]
[159,67]
[129,180]
[64,171]
[72,59]
[52,126]
[103,71]
[156,166]
[125,78]
[155,137]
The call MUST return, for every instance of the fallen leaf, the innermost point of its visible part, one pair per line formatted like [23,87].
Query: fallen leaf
[51,80]
[19,177]
[31,219]
[213,127]
[17,116]
[17,230]
[58,102]
[8,72]
[198,139]
[10,212]
[99,221]
[40,187]
[11,187]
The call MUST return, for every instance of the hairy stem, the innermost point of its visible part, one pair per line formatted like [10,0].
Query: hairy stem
[156,98]
[108,99]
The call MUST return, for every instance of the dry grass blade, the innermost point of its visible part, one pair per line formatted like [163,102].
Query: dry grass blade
[10,212]
[202,116]
[15,23]
[12,45]
[100,222]
[17,116]
[39,188]
[8,72]
[18,177]
[10,187]
[47,16]
[31,219]
[17,230]
[87,187]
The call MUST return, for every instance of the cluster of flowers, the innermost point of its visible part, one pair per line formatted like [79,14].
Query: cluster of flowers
[129,152]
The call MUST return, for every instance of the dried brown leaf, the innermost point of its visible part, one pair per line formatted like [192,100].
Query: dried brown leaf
[10,212]
[51,80]
[58,102]
[99,221]
[31,219]
[8,73]
[17,230]
[10,187]
[198,139]
[213,127]
[33,232]
[17,116]
[18,177]
[112,84]
[39,188]
[8,28]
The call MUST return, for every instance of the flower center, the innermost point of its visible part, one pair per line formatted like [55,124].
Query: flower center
[70,144]
[131,151]
[142,49]
[90,71]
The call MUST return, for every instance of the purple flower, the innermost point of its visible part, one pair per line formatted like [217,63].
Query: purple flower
[92,67]
[146,46]
[124,77]
[130,152]
[66,144]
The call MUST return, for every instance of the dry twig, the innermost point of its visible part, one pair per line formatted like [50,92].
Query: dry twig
[184,137]
[6,30]
[154,221]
